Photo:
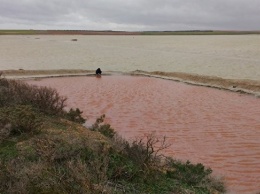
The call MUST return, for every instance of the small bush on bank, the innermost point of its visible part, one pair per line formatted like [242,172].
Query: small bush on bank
[141,163]
[75,116]
[145,151]
[188,173]
[140,157]
[20,118]
[45,99]
[105,129]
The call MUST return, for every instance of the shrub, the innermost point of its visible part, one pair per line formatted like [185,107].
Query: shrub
[75,116]
[105,129]
[46,99]
[195,175]
[138,161]
[145,151]
[189,173]
[121,167]
[22,118]
[140,164]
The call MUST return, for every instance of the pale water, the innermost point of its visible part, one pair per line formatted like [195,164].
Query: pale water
[227,56]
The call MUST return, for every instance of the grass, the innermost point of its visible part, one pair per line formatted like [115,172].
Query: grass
[59,155]
[18,32]
[8,150]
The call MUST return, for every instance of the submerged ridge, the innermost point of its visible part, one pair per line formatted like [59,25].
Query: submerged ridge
[235,85]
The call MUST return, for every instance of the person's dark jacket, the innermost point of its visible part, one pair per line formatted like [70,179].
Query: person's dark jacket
[98,71]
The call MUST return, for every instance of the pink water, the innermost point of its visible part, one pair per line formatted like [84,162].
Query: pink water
[217,128]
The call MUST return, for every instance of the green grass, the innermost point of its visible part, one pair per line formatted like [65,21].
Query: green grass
[8,150]
[18,32]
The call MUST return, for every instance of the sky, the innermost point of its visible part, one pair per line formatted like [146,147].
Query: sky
[130,15]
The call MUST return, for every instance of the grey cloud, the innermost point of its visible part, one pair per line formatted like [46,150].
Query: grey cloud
[132,14]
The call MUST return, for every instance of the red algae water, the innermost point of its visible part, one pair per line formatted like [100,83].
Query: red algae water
[220,129]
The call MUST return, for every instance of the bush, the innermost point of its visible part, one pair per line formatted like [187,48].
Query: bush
[46,99]
[21,118]
[121,167]
[189,173]
[138,161]
[145,151]
[75,116]
[105,129]
[196,175]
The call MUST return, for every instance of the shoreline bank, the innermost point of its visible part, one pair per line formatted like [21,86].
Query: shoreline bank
[250,87]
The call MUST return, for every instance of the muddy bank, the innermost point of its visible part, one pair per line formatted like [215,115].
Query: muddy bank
[22,72]
[236,85]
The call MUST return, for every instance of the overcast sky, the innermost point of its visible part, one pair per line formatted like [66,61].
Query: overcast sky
[131,15]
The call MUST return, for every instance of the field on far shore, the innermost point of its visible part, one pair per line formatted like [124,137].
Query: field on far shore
[110,32]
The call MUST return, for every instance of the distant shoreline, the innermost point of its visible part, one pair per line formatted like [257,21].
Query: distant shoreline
[110,32]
